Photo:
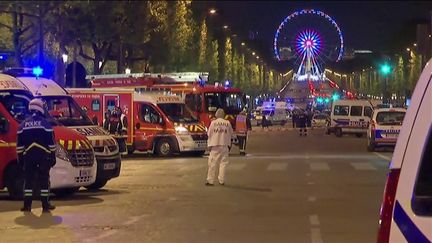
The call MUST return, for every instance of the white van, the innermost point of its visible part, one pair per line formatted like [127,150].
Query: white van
[350,116]
[406,210]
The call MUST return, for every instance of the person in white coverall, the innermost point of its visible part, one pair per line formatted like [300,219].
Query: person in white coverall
[219,134]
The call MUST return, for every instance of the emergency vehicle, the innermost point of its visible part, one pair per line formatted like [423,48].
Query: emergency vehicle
[75,161]
[159,123]
[202,99]
[406,209]
[68,113]
[350,116]
[275,112]
[384,127]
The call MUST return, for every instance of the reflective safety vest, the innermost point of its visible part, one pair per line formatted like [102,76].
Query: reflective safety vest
[241,126]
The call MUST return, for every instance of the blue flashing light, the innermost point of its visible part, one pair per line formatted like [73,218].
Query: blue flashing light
[227,83]
[319,100]
[37,71]
[326,100]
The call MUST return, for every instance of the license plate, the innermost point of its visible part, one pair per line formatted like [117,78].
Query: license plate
[84,173]
[109,166]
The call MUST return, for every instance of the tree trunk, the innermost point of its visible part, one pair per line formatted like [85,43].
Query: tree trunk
[120,60]
[16,43]
[41,38]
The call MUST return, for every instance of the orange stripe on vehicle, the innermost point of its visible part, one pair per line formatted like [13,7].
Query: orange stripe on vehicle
[70,145]
[62,142]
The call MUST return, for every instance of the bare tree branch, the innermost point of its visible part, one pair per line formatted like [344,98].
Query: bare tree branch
[81,52]
[29,47]
[25,29]
[6,26]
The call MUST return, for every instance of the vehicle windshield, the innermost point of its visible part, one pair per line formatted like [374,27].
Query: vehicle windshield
[178,112]
[230,102]
[66,111]
[390,118]
[16,103]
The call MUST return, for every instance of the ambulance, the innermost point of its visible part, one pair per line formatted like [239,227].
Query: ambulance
[202,99]
[160,122]
[75,161]
[68,113]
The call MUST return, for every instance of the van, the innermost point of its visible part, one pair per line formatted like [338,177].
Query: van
[350,117]
[406,209]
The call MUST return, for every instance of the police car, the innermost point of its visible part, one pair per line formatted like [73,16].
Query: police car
[406,210]
[384,127]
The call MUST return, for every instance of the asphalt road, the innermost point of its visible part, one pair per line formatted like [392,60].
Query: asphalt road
[288,188]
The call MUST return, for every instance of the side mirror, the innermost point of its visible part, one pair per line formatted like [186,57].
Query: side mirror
[4,125]
[138,126]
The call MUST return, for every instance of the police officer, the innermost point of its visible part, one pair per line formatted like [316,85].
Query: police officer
[36,153]
[243,125]
[219,134]
[301,122]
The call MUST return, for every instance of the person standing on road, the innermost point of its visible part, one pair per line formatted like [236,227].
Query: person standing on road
[36,154]
[219,134]
[243,125]
[301,122]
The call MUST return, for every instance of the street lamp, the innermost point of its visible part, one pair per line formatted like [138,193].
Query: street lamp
[225,26]
[127,71]
[65,58]
[212,11]
[253,53]
[408,50]
[243,44]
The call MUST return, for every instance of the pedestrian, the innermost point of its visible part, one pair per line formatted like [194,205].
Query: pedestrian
[301,123]
[294,118]
[243,125]
[264,122]
[36,154]
[219,134]
[115,128]
[106,120]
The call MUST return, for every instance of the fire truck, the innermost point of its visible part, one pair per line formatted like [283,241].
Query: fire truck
[202,99]
[160,123]
[75,160]
[64,110]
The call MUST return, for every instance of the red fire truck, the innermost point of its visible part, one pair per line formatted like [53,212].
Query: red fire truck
[75,160]
[159,123]
[201,98]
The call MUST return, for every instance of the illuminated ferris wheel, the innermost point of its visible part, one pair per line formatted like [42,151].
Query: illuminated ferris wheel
[310,38]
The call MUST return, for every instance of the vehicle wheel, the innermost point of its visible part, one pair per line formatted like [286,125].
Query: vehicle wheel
[164,147]
[359,135]
[370,146]
[338,132]
[65,192]
[130,149]
[98,184]
[14,182]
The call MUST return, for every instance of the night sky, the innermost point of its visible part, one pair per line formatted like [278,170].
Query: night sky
[377,26]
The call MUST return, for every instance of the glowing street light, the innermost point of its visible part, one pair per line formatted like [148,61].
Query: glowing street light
[415,44]
[65,58]
[243,44]
[127,71]
[253,53]
[408,49]
[257,57]
[212,11]
[225,26]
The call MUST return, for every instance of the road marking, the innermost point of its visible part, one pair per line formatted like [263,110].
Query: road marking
[363,166]
[314,220]
[312,157]
[134,219]
[383,156]
[101,236]
[277,166]
[236,166]
[316,235]
[319,166]
[312,199]
[311,183]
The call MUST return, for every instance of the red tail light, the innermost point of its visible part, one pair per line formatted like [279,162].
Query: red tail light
[386,211]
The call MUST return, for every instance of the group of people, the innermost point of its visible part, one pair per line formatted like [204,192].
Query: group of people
[115,122]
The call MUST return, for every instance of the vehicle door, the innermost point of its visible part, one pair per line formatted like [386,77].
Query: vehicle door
[340,116]
[357,119]
[412,215]
[151,123]
[8,129]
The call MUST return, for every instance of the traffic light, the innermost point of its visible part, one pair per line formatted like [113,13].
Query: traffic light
[319,100]
[326,100]
[385,69]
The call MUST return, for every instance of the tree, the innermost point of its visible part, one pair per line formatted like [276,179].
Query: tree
[228,60]
[214,61]
[202,45]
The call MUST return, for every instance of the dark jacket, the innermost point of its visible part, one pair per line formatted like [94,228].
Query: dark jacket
[35,142]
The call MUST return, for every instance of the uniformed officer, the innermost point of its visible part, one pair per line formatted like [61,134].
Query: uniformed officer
[242,127]
[301,123]
[36,153]
[219,134]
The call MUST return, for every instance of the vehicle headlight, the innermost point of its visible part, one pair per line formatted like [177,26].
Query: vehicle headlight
[181,130]
[61,153]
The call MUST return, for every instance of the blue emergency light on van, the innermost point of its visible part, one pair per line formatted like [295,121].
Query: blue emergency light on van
[37,71]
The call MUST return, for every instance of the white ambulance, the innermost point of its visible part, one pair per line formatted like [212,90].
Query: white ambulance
[75,161]
[63,108]
[350,117]
[406,209]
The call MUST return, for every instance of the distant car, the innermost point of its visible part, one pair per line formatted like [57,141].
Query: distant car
[384,127]
[319,120]
[406,209]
